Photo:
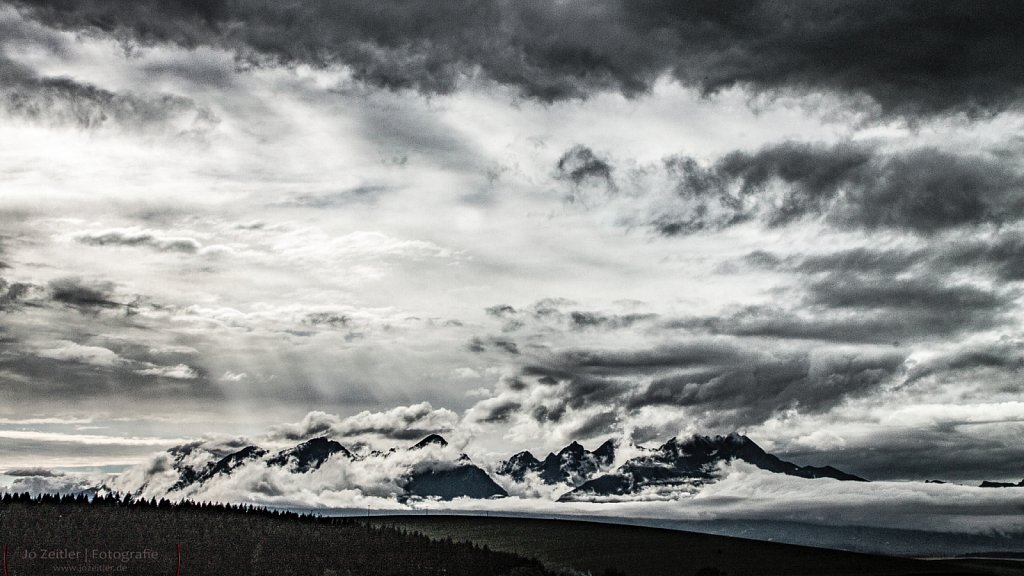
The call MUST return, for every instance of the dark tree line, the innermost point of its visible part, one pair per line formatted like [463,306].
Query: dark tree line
[239,539]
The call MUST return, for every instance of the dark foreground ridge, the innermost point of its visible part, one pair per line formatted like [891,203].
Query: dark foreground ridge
[160,537]
[73,534]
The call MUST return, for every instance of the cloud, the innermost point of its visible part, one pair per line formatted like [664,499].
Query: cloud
[83,294]
[713,383]
[66,351]
[64,101]
[930,442]
[53,484]
[495,410]
[561,314]
[919,292]
[583,319]
[500,310]
[478,345]
[402,422]
[848,185]
[977,361]
[140,238]
[41,472]
[367,194]
[87,439]
[752,389]
[580,165]
[12,293]
[178,372]
[950,285]
[881,325]
[907,59]
[997,254]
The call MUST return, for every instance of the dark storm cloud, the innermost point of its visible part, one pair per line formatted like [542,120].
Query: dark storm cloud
[849,185]
[514,383]
[140,239]
[65,101]
[476,345]
[754,391]
[1004,255]
[580,164]
[26,377]
[558,313]
[853,297]
[479,345]
[979,363]
[500,310]
[863,260]
[911,58]
[83,294]
[740,382]
[506,345]
[501,411]
[12,293]
[923,453]
[583,319]
[1000,256]
[332,319]
[602,423]
[871,327]
[920,293]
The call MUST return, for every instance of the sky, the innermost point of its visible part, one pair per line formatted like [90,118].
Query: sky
[515,223]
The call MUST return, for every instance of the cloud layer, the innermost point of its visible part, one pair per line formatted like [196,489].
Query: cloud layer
[912,59]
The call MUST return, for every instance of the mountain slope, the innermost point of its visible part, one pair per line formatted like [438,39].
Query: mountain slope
[692,462]
[573,464]
[431,468]
[309,455]
[461,481]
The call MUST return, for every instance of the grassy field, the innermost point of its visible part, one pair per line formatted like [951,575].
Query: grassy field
[638,551]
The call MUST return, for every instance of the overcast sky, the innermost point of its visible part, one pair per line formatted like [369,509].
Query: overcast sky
[517,223]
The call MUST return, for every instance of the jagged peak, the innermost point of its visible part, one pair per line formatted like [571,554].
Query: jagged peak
[431,439]
[319,440]
[574,448]
[524,455]
[246,452]
[734,438]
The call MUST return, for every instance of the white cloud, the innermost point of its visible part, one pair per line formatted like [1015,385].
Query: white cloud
[230,376]
[401,422]
[88,439]
[68,351]
[178,372]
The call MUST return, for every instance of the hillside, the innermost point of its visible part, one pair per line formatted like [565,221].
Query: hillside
[639,551]
[73,536]
[52,535]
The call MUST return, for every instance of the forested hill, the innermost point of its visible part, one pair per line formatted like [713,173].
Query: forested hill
[50,534]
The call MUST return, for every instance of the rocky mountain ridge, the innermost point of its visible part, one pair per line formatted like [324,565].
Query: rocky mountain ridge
[431,469]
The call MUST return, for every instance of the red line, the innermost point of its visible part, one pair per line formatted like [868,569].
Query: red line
[5,559]
[179,561]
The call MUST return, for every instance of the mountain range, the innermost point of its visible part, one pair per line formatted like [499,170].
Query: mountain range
[687,462]
[430,468]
